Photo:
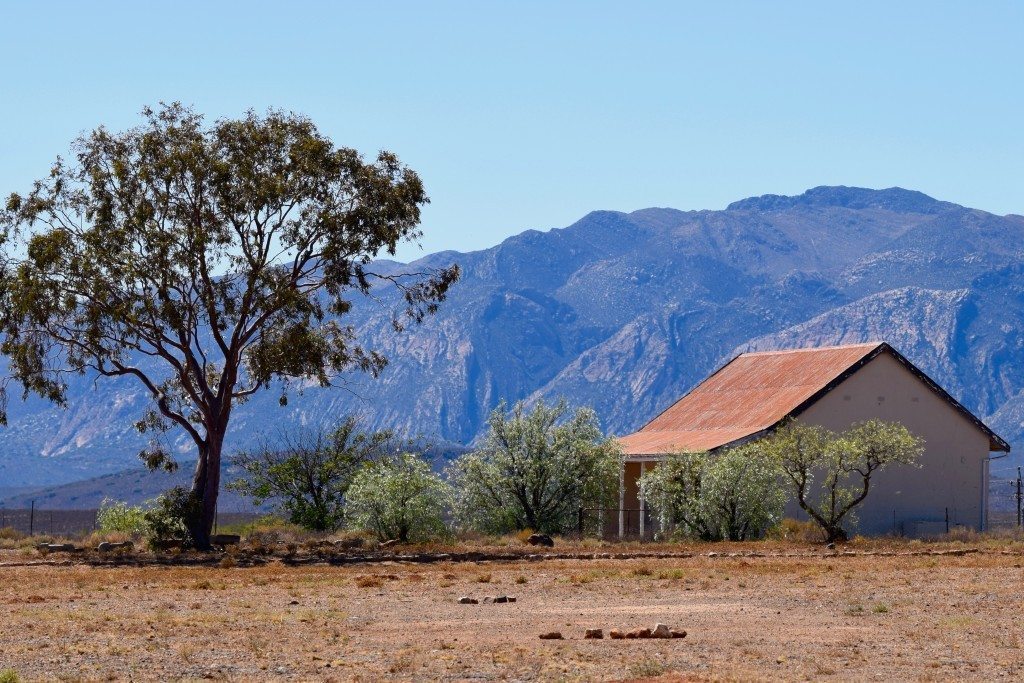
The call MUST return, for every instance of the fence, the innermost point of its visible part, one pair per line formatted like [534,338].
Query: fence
[73,523]
[604,523]
[50,522]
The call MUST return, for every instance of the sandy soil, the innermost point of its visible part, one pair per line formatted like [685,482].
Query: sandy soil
[884,618]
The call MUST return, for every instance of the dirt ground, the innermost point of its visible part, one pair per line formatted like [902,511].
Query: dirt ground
[816,616]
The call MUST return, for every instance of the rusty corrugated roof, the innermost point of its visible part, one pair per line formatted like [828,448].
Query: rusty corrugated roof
[754,392]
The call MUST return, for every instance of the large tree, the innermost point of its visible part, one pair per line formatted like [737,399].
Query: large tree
[208,262]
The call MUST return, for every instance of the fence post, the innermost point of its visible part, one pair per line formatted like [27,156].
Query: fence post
[1019,497]
[32,519]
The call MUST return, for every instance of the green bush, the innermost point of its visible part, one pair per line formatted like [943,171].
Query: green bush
[168,515]
[9,676]
[735,495]
[535,470]
[119,517]
[399,499]
[307,474]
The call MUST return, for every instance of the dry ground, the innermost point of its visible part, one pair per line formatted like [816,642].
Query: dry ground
[809,617]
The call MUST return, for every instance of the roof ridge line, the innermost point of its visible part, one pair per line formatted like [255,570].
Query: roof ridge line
[808,349]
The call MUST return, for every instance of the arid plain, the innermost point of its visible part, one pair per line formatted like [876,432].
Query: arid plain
[754,611]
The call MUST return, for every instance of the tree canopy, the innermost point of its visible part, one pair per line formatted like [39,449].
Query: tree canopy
[536,470]
[399,498]
[308,472]
[830,474]
[735,494]
[207,262]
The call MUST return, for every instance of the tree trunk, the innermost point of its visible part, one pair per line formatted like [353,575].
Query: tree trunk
[205,487]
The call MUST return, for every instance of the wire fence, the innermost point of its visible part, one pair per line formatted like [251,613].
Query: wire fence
[77,523]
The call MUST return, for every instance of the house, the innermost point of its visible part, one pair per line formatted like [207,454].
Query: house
[833,387]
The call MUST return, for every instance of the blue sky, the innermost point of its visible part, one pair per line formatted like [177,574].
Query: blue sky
[530,114]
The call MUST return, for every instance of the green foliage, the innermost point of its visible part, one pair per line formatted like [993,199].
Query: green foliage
[170,515]
[830,474]
[116,516]
[265,524]
[734,495]
[109,267]
[308,475]
[536,471]
[9,676]
[399,498]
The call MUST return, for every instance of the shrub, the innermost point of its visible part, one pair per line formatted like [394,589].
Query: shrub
[309,473]
[735,494]
[168,516]
[399,499]
[9,533]
[790,529]
[118,517]
[536,470]
[9,676]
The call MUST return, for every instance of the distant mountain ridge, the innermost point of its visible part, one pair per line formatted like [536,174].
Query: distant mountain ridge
[625,312]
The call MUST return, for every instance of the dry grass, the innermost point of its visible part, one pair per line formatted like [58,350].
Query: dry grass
[808,616]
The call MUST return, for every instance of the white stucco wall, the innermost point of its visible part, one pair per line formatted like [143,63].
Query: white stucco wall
[952,472]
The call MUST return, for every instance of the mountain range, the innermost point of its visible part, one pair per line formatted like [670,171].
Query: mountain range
[625,312]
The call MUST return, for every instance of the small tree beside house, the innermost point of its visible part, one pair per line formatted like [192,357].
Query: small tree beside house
[733,495]
[830,474]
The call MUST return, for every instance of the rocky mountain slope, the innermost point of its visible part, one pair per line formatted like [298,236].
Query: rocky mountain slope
[626,311]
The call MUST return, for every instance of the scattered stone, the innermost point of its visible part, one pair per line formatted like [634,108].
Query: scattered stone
[552,635]
[639,633]
[349,543]
[466,600]
[712,554]
[225,539]
[294,602]
[501,598]
[616,634]
[541,539]
[56,547]
[107,546]
[594,634]
[661,631]
[830,546]
[388,544]
[678,633]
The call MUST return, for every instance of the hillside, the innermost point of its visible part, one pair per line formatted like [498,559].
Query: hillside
[625,311]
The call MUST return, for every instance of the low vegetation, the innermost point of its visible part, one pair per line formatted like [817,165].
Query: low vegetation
[307,473]
[537,469]
[735,495]
[399,498]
